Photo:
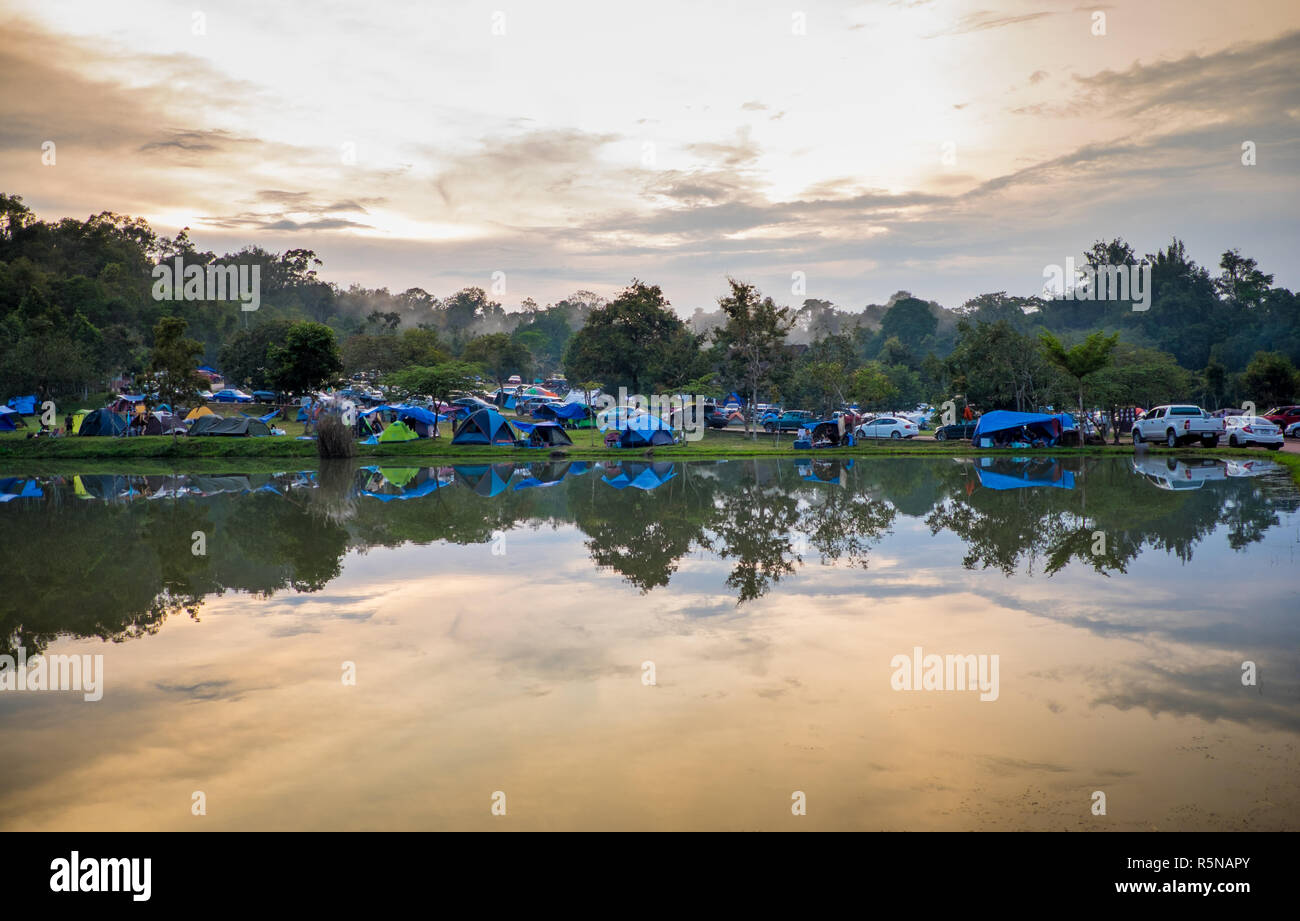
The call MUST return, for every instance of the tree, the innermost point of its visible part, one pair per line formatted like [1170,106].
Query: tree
[1081,361]
[1270,379]
[307,360]
[499,356]
[871,386]
[173,363]
[752,341]
[635,339]
[245,358]
[441,381]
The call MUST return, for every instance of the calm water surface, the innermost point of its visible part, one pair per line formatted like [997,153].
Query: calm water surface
[503,622]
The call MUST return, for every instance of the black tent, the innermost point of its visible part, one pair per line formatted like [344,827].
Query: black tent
[236,426]
[102,422]
[546,435]
[160,423]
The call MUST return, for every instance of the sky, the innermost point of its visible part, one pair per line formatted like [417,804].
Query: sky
[829,150]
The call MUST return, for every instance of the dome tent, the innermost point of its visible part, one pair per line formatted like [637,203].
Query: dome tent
[484,427]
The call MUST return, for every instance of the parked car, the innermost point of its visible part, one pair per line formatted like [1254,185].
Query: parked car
[466,405]
[1283,416]
[1244,431]
[264,396]
[790,421]
[1178,424]
[230,395]
[1293,430]
[955,432]
[888,427]
[514,379]
[1176,474]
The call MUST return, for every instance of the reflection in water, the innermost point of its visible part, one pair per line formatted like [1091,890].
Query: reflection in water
[765,586]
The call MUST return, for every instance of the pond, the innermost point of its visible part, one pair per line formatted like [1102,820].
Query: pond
[879,643]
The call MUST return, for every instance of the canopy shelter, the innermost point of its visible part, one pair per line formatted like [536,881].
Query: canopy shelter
[25,406]
[420,420]
[236,426]
[544,435]
[1023,475]
[638,475]
[486,480]
[484,427]
[1005,427]
[18,488]
[561,412]
[102,422]
[826,434]
[127,403]
[826,470]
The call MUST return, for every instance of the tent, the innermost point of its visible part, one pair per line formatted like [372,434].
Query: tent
[198,412]
[10,419]
[824,470]
[420,420]
[826,434]
[545,435]
[237,426]
[397,432]
[102,422]
[1004,425]
[484,427]
[644,431]
[486,480]
[163,424]
[127,403]
[77,418]
[639,475]
[25,406]
[543,475]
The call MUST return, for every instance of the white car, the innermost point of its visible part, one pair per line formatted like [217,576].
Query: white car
[1293,430]
[1243,431]
[888,427]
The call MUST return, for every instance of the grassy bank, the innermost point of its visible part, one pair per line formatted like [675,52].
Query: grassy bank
[19,454]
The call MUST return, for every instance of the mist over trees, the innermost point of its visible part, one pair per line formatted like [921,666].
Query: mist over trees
[77,314]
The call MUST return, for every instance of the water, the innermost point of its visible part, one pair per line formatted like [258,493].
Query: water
[504,624]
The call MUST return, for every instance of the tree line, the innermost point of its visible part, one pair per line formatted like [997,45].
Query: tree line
[77,311]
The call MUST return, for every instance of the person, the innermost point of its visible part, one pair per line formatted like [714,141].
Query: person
[803,434]
[67,423]
[967,414]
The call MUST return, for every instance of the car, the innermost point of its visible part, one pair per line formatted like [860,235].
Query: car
[790,421]
[1175,474]
[956,432]
[1244,431]
[1293,430]
[514,379]
[230,395]
[888,427]
[264,396]
[1177,424]
[1283,416]
[466,405]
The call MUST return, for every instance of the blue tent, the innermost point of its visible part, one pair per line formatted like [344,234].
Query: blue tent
[639,430]
[486,480]
[1039,425]
[24,405]
[543,475]
[9,418]
[639,475]
[484,427]
[418,414]
[16,488]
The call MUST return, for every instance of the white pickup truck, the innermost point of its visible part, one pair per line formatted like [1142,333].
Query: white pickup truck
[1176,425]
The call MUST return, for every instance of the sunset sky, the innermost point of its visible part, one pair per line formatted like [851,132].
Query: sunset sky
[676,142]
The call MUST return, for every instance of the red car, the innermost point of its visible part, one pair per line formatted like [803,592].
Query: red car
[1282,416]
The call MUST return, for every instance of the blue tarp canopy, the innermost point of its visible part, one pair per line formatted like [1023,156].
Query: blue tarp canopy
[418,413]
[16,488]
[1002,420]
[208,368]
[561,411]
[24,405]
[991,479]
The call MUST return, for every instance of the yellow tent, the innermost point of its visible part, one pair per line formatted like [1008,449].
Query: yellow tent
[198,411]
[76,420]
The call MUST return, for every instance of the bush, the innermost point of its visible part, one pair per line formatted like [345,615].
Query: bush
[334,439]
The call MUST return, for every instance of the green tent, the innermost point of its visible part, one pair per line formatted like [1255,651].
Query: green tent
[398,431]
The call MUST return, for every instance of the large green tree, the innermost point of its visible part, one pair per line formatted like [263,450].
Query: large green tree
[308,359]
[751,344]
